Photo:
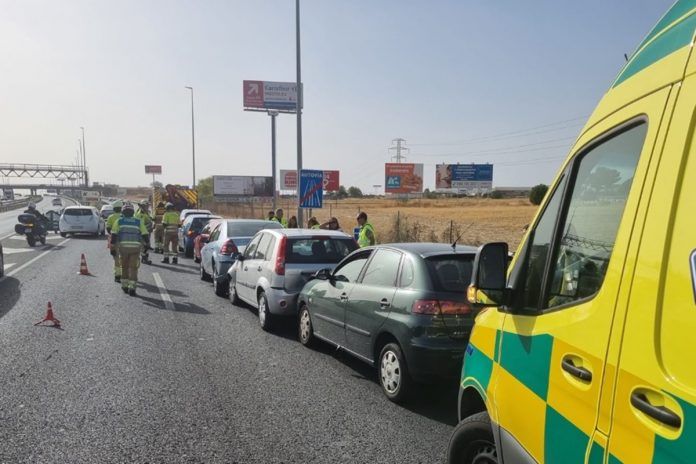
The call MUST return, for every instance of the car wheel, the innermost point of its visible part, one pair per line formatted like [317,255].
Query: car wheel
[393,373]
[220,288]
[305,329]
[472,441]
[204,275]
[232,292]
[265,316]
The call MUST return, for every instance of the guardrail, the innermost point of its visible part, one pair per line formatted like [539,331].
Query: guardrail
[14,204]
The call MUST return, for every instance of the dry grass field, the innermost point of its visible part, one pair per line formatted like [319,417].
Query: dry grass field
[476,220]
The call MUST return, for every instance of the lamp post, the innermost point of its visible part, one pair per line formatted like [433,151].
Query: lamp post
[84,157]
[300,218]
[193,140]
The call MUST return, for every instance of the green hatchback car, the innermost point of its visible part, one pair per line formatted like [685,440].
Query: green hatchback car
[400,307]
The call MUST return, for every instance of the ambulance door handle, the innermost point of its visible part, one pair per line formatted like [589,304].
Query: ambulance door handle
[580,372]
[659,413]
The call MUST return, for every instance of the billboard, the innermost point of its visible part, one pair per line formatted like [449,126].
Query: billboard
[153,169]
[270,95]
[464,177]
[231,187]
[403,178]
[311,188]
[288,179]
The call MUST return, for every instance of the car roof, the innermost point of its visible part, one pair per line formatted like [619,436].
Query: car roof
[428,249]
[306,233]
[80,207]
[194,216]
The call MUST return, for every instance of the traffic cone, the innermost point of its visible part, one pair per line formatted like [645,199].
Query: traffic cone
[49,317]
[83,266]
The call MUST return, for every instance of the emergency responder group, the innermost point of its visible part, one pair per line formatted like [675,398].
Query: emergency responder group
[129,238]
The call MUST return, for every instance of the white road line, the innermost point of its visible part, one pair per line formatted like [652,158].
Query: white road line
[9,265]
[7,236]
[12,251]
[36,258]
[48,237]
[168,303]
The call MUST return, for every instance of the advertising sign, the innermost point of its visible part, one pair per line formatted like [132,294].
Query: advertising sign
[153,169]
[331,181]
[288,179]
[225,187]
[464,177]
[403,178]
[311,188]
[270,95]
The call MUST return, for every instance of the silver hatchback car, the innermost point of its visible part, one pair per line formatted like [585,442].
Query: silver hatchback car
[276,264]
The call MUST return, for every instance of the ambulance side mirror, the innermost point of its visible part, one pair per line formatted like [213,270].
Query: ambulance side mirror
[489,278]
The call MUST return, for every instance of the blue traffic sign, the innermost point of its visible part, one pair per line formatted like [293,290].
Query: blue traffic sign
[311,188]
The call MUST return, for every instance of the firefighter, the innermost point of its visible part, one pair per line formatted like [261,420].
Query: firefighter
[129,233]
[159,228]
[143,214]
[170,221]
[113,249]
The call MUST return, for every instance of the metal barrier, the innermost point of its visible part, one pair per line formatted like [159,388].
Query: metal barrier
[13,204]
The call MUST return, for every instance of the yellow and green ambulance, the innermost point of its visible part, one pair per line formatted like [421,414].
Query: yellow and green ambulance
[587,350]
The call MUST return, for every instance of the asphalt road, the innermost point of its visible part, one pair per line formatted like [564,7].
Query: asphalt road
[178,375]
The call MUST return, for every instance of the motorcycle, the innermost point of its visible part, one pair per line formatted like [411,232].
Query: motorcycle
[32,227]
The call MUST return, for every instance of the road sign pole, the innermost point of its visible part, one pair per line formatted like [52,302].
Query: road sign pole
[298,105]
[273,115]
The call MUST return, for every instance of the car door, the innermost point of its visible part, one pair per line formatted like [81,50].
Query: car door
[244,278]
[207,252]
[254,267]
[553,347]
[327,301]
[370,300]
[653,419]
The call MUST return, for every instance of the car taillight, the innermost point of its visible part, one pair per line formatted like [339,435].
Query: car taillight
[442,307]
[228,248]
[280,257]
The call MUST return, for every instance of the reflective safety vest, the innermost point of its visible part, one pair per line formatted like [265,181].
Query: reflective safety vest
[145,218]
[170,221]
[283,221]
[130,231]
[363,240]
[159,213]
[111,220]
[316,226]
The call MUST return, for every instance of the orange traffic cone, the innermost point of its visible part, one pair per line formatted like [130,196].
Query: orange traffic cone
[83,266]
[49,317]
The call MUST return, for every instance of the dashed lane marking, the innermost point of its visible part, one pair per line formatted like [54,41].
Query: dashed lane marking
[12,251]
[48,237]
[9,265]
[6,236]
[36,258]
[168,303]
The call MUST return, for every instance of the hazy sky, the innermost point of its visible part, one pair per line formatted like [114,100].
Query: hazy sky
[461,81]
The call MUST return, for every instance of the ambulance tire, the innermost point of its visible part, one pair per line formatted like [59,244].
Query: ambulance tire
[472,441]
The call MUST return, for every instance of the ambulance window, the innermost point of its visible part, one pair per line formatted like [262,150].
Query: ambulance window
[601,183]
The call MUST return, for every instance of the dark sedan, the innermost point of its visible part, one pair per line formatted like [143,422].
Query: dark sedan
[399,307]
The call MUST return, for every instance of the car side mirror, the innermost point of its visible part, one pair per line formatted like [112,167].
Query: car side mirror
[240,257]
[205,238]
[323,274]
[489,279]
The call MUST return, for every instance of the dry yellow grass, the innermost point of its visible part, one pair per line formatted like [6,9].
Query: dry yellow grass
[477,220]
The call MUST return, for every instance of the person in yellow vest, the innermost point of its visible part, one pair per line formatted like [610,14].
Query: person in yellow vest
[143,214]
[129,233]
[367,232]
[271,215]
[159,228]
[312,223]
[113,249]
[170,221]
[279,217]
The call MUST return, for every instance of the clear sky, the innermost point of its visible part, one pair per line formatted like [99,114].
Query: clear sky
[506,81]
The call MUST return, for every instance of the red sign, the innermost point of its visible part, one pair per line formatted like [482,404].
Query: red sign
[153,169]
[331,181]
[253,94]
[288,180]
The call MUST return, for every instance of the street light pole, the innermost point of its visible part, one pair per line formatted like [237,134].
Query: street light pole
[84,157]
[193,140]
[273,114]
[300,218]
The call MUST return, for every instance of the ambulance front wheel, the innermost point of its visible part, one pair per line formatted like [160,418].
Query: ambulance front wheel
[472,442]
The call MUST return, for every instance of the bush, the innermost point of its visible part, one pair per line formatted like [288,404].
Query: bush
[496,194]
[536,195]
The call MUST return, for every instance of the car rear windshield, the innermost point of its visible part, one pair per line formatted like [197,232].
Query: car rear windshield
[198,223]
[78,212]
[319,250]
[249,229]
[450,273]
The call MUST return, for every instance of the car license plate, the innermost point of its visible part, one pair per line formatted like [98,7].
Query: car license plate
[76,227]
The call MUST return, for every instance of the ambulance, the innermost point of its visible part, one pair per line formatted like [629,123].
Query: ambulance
[585,350]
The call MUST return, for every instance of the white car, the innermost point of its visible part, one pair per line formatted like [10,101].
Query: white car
[81,220]
[106,211]
[187,212]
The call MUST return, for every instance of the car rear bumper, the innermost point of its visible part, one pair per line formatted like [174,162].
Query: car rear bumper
[222,268]
[282,303]
[78,229]
[432,361]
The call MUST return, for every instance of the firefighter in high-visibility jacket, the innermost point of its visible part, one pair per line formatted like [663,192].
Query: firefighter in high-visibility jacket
[170,221]
[159,228]
[113,249]
[129,233]
[143,214]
